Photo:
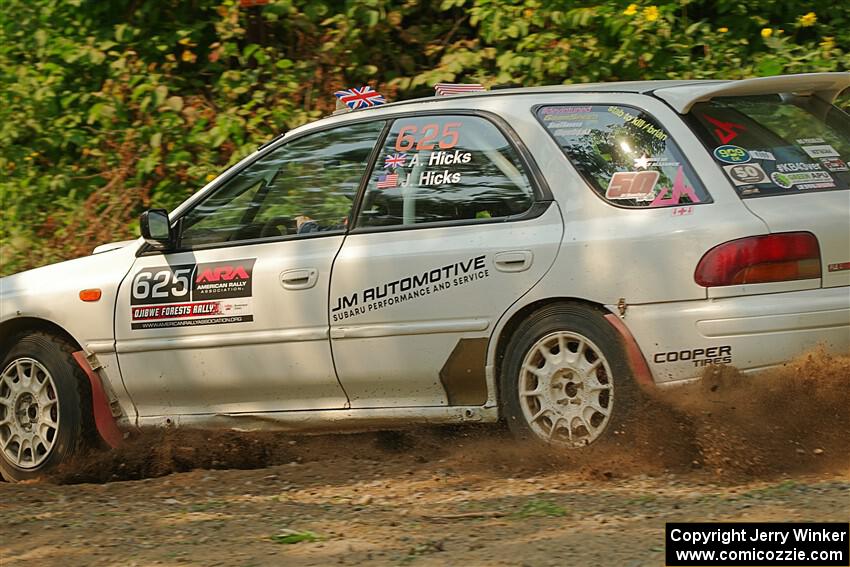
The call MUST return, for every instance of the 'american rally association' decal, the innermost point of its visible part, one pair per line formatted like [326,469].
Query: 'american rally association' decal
[408,288]
[192,294]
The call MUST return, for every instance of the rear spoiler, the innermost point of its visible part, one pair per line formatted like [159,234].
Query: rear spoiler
[825,86]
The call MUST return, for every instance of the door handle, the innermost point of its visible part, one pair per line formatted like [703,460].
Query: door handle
[304,278]
[514,260]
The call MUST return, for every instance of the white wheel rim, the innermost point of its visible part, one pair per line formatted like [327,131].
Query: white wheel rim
[565,389]
[29,413]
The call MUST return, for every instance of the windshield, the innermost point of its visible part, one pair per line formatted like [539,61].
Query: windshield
[776,145]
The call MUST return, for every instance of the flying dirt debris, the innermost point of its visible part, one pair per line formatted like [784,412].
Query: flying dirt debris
[792,419]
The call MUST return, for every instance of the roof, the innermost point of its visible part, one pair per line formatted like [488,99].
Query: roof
[679,94]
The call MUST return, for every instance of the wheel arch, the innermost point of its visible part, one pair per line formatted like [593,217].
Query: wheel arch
[12,328]
[634,355]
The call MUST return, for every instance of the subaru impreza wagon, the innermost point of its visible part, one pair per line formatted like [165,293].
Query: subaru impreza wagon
[530,255]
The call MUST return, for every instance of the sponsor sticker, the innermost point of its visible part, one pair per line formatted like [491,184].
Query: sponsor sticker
[759,154]
[645,162]
[191,314]
[583,117]
[192,294]
[553,110]
[682,211]
[700,356]
[803,180]
[637,185]
[809,141]
[834,164]
[791,167]
[409,288]
[824,150]
[679,189]
[746,174]
[726,131]
[637,122]
[731,154]
[572,132]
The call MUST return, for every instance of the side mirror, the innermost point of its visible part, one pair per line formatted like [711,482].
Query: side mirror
[156,229]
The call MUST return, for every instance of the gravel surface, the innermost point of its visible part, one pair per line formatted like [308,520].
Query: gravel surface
[770,448]
[369,510]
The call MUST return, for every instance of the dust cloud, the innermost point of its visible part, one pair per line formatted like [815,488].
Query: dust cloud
[729,426]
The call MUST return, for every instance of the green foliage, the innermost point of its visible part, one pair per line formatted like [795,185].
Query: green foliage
[110,107]
[290,537]
[540,508]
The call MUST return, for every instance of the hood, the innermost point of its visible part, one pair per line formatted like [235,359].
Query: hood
[112,246]
[89,271]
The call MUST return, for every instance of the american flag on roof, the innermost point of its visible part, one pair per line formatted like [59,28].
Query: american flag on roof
[387,181]
[395,160]
[443,89]
[360,97]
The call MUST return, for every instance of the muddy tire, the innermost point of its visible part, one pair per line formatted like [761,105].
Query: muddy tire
[565,379]
[45,406]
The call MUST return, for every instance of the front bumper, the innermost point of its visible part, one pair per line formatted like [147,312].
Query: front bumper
[679,339]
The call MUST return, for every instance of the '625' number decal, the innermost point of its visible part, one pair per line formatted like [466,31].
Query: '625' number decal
[412,137]
[162,285]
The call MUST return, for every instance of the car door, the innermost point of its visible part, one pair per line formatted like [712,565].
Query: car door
[452,229]
[236,318]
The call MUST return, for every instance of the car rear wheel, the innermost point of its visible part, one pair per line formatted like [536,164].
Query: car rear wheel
[565,379]
[44,405]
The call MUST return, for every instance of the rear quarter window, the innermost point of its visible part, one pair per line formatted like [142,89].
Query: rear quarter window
[624,154]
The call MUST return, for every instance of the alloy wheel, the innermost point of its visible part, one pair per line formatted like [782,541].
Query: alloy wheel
[29,413]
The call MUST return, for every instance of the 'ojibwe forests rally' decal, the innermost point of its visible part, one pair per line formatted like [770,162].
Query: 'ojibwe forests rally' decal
[192,294]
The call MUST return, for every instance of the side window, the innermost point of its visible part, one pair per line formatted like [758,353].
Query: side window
[444,168]
[625,155]
[305,186]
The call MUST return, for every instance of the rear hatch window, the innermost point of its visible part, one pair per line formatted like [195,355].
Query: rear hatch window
[776,145]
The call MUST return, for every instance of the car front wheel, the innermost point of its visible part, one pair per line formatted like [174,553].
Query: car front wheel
[44,403]
[565,379]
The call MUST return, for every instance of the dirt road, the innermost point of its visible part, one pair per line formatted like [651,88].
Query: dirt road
[737,449]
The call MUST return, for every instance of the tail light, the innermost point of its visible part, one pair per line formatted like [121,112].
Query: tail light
[761,259]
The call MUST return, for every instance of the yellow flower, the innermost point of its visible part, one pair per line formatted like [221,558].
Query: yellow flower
[808,20]
[650,13]
[722,30]
[766,32]
[631,10]
[210,177]
[828,43]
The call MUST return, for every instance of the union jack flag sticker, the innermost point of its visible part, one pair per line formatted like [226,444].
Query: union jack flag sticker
[387,181]
[395,160]
[362,97]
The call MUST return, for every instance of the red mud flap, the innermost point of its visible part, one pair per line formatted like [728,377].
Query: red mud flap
[635,358]
[106,426]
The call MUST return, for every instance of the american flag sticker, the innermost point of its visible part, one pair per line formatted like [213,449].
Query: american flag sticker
[387,181]
[395,160]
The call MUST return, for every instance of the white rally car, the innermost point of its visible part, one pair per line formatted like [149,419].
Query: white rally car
[528,254]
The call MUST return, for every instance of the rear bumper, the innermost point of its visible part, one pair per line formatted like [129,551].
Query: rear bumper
[679,339]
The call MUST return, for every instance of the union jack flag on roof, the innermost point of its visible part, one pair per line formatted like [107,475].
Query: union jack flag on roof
[360,97]
[443,89]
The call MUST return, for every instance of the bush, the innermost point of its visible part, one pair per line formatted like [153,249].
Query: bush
[107,108]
